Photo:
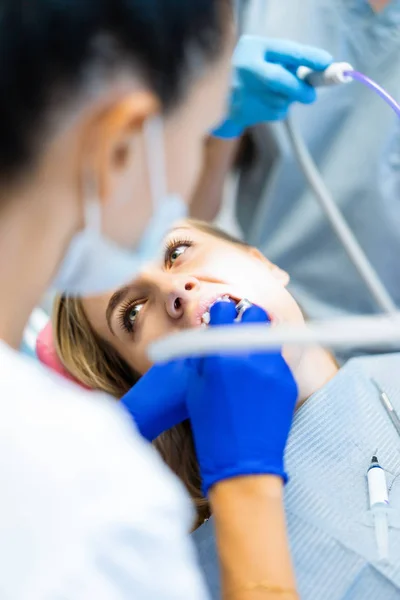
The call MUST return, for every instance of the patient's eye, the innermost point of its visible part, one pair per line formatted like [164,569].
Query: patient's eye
[133,313]
[175,254]
[129,313]
[175,249]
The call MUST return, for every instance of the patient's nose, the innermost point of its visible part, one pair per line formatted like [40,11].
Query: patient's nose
[180,295]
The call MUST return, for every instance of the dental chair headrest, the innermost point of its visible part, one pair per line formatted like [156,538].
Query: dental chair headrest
[47,354]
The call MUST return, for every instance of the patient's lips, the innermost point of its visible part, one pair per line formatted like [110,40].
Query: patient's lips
[201,313]
[205,317]
[241,306]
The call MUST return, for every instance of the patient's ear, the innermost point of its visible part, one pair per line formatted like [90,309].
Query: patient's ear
[279,274]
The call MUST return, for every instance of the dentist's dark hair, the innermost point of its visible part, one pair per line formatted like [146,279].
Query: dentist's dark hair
[52,49]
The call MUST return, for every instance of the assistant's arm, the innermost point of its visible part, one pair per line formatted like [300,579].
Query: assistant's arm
[241,410]
[252,539]
[264,86]
[219,156]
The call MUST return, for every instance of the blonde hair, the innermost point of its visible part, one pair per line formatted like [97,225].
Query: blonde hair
[95,363]
[87,357]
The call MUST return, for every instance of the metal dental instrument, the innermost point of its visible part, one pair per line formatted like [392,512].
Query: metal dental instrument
[241,307]
[388,406]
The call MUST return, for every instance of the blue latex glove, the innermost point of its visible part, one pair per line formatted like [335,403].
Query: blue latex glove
[158,401]
[241,408]
[264,81]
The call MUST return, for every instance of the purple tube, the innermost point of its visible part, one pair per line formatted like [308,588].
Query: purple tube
[374,86]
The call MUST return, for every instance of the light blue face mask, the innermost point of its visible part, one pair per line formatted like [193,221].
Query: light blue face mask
[94,264]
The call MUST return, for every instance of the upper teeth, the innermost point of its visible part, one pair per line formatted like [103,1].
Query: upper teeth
[205,319]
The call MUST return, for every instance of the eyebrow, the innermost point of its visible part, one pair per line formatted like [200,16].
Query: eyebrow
[114,301]
[121,294]
[176,228]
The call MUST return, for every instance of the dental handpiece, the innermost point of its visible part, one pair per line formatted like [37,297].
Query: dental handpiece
[336,73]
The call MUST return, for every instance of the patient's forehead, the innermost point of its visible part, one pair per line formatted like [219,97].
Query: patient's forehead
[95,307]
[200,231]
[182,225]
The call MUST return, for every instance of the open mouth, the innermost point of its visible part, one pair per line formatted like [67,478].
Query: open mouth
[241,306]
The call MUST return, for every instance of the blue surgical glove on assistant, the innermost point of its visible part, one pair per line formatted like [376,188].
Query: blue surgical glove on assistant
[265,83]
[240,408]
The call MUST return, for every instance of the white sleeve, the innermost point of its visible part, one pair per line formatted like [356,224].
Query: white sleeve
[140,542]
[88,510]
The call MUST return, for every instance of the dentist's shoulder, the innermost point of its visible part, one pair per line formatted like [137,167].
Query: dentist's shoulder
[87,507]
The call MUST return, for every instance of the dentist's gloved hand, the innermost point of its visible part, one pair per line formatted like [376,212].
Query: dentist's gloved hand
[158,401]
[265,82]
[240,407]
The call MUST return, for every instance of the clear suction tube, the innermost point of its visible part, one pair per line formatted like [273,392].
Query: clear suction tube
[376,88]
[342,72]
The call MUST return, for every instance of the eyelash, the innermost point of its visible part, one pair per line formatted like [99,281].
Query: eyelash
[128,305]
[172,245]
[123,314]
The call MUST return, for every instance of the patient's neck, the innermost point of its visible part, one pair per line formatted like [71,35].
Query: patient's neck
[315,369]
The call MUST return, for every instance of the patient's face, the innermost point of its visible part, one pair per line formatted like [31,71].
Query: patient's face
[194,269]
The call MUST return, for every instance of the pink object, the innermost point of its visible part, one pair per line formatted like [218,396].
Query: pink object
[46,352]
